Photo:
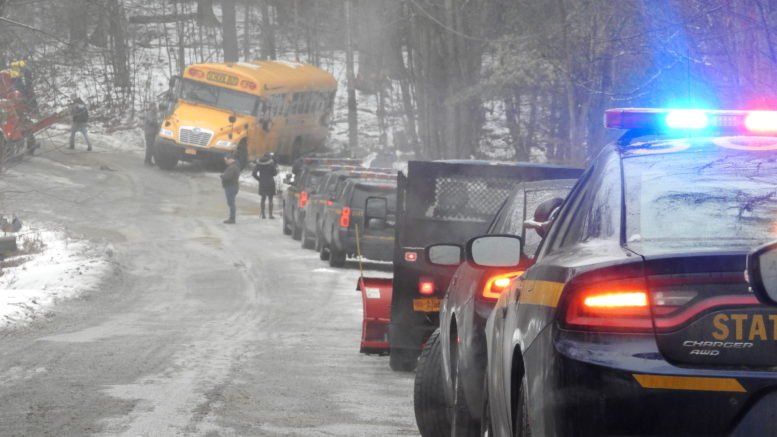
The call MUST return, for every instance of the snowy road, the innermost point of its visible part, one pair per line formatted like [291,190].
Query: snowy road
[205,329]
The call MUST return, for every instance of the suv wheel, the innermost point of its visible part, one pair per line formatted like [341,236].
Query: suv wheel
[323,254]
[336,257]
[307,242]
[431,411]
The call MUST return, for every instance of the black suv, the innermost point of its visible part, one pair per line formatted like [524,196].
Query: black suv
[325,196]
[362,223]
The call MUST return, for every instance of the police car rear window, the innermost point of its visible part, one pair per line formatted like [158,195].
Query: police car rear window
[720,194]
[362,192]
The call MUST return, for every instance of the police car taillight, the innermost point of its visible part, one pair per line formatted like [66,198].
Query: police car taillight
[652,120]
[611,306]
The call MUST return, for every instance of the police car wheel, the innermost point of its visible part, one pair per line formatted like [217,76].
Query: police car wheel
[431,411]
[521,423]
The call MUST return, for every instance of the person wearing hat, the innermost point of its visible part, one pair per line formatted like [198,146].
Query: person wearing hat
[265,170]
[230,180]
[80,119]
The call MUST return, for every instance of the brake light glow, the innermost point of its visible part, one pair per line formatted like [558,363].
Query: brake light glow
[329,203]
[426,286]
[610,307]
[411,257]
[303,199]
[345,217]
[616,300]
[496,285]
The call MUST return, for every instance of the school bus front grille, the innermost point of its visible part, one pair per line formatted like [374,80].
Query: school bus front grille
[194,137]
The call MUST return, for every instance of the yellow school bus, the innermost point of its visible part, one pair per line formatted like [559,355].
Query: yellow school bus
[244,110]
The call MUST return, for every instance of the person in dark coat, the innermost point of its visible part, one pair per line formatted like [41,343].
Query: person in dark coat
[230,180]
[80,119]
[264,171]
[151,125]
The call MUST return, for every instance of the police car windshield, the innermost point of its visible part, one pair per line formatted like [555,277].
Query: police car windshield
[230,100]
[703,195]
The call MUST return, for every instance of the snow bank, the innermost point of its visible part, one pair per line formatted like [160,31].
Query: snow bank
[58,268]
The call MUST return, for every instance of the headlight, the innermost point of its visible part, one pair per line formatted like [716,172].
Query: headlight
[224,143]
[165,133]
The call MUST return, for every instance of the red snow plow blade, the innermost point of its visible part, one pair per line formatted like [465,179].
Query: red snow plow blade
[376,304]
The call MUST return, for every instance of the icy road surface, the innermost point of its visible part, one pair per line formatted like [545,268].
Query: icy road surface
[205,329]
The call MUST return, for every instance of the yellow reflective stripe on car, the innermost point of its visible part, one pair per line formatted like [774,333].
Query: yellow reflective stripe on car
[689,383]
[545,293]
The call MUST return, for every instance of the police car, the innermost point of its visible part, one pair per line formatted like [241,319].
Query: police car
[636,318]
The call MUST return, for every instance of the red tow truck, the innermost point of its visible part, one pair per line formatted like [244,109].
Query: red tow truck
[17,126]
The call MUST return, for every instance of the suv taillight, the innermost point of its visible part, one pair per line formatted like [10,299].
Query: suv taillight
[345,217]
[303,199]
[498,284]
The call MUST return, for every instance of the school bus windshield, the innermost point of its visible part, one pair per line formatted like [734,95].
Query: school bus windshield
[235,101]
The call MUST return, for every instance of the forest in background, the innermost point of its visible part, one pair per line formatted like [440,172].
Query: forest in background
[508,79]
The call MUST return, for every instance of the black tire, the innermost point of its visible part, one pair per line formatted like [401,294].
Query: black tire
[284,221]
[462,422]
[336,258]
[318,241]
[296,232]
[241,154]
[323,254]
[307,242]
[431,411]
[403,360]
[521,426]
[166,159]
[486,427]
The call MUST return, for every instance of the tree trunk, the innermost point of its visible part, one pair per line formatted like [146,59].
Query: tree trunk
[268,32]
[247,32]
[229,31]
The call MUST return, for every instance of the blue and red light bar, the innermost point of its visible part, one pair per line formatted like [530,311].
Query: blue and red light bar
[690,120]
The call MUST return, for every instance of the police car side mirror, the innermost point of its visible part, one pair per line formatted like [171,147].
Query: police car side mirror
[544,216]
[761,272]
[444,254]
[495,251]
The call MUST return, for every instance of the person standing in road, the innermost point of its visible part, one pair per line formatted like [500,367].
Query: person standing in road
[264,171]
[80,119]
[230,180]
[151,129]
